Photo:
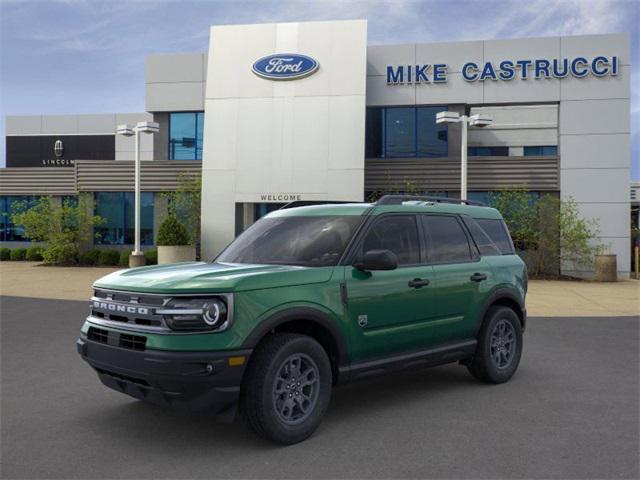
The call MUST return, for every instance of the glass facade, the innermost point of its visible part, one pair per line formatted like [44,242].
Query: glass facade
[8,206]
[185,135]
[485,197]
[488,151]
[541,151]
[117,209]
[405,132]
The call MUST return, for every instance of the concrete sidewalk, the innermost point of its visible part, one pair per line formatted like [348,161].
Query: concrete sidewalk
[546,298]
[32,279]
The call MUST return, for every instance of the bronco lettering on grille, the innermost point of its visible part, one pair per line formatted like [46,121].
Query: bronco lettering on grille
[116,307]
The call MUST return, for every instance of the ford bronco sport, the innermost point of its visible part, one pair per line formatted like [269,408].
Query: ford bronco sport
[308,298]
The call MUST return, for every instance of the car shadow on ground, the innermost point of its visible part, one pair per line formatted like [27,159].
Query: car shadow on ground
[380,396]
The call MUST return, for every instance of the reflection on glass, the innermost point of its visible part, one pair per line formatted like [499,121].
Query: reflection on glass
[117,209]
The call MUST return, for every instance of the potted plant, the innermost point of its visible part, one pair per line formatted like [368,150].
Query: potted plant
[173,242]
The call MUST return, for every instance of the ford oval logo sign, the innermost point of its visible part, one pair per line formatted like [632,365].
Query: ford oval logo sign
[285,66]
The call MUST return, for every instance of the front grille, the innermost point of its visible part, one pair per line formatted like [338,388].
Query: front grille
[122,340]
[130,297]
[133,342]
[98,335]
[129,308]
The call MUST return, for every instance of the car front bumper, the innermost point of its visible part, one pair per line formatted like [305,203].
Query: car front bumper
[194,381]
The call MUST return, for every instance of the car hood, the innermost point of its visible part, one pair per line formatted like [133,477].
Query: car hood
[200,277]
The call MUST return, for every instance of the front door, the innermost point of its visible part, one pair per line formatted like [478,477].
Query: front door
[389,311]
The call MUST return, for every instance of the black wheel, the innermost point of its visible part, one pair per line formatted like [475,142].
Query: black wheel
[499,346]
[287,387]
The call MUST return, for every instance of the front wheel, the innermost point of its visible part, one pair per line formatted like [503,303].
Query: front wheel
[499,346]
[287,388]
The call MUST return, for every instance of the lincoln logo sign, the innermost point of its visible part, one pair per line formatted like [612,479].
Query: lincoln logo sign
[58,148]
[285,66]
[505,70]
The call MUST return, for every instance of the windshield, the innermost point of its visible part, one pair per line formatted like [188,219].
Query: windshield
[314,241]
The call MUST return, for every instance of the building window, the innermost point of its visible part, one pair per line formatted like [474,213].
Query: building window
[117,209]
[405,132]
[488,151]
[488,197]
[541,151]
[261,209]
[185,135]
[9,232]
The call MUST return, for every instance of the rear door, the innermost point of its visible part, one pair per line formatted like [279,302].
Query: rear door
[389,311]
[461,276]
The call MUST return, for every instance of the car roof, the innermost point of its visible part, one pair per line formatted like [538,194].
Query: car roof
[475,211]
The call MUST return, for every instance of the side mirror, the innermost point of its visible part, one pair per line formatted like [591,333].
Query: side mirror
[377,260]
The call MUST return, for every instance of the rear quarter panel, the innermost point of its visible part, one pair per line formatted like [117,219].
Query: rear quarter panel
[509,272]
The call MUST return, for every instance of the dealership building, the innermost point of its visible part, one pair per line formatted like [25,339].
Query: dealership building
[274,113]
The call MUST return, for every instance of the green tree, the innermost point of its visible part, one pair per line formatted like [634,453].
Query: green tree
[64,227]
[519,212]
[184,203]
[548,232]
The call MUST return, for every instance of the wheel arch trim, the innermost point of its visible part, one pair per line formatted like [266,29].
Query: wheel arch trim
[503,293]
[293,314]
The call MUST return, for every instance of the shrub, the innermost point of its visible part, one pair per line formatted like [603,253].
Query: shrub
[66,254]
[109,257]
[18,254]
[90,257]
[151,257]
[5,253]
[64,228]
[124,258]
[172,232]
[34,254]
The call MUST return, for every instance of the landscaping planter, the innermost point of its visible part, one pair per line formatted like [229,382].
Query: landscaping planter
[606,268]
[176,254]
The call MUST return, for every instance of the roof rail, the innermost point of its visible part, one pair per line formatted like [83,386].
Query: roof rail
[306,203]
[399,199]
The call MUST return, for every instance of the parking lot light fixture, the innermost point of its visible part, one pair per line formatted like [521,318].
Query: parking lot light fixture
[477,120]
[136,258]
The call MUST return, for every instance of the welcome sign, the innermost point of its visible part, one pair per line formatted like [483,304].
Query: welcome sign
[506,70]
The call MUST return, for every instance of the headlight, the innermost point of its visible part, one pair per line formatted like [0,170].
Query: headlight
[196,314]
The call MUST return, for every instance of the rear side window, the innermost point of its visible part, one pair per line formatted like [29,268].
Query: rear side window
[497,231]
[397,233]
[446,240]
[481,239]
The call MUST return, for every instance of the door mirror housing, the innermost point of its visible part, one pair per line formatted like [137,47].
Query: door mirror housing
[377,260]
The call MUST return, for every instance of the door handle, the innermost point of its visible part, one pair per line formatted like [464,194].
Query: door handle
[478,277]
[418,282]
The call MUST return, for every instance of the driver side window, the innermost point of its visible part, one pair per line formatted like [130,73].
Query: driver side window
[397,233]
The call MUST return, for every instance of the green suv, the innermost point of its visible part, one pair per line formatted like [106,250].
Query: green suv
[310,297]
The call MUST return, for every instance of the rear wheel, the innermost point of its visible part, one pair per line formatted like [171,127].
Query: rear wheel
[287,388]
[499,346]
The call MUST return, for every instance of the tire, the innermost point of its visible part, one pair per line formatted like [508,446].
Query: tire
[274,406]
[497,363]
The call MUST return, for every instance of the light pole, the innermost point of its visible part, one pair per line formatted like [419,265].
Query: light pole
[477,120]
[136,259]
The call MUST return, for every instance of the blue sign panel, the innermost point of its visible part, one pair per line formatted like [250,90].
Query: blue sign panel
[285,66]
[578,67]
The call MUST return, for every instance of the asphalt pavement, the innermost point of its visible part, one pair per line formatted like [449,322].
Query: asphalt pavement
[571,411]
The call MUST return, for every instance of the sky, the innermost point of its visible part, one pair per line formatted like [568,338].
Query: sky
[87,56]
